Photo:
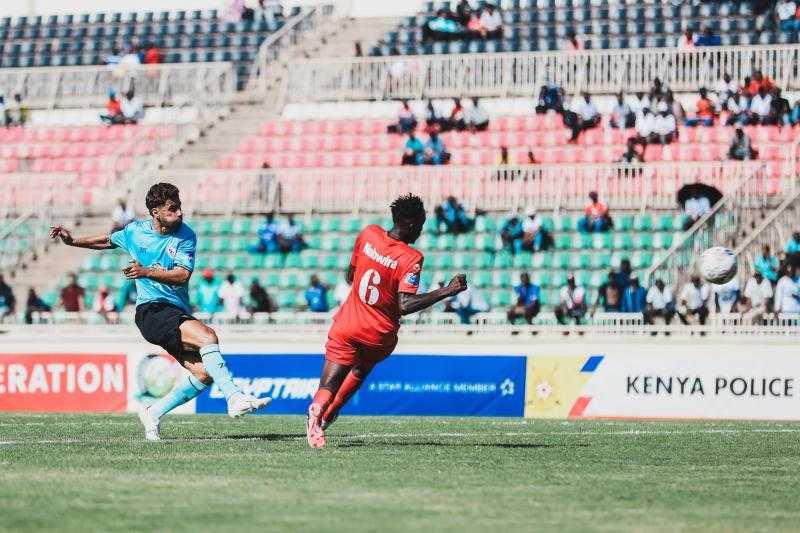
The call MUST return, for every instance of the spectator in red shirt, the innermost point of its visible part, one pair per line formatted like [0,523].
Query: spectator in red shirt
[113,114]
[758,80]
[597,218]
[72,296]
[705,111]
[152,56]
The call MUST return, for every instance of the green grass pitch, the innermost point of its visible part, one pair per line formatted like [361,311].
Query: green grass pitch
[96,473]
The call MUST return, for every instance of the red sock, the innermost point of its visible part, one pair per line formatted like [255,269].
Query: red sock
[349,387]
[323,398]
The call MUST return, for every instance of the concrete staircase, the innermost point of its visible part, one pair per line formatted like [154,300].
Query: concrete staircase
[342,43]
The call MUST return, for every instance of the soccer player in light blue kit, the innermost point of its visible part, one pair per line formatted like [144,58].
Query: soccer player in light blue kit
[162,250]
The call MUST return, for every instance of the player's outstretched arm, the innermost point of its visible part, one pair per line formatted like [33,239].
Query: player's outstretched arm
[95,242]
[411,303]
[173,276]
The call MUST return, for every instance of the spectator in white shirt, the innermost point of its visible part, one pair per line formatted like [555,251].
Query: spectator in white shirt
[696,206]
[726,296]
[121,216]
[726,89]
[622,116]
[787,292]
[660,303]
[572,302]
[342,290]
[738,110]
[585,117]
[492,22]
[665,129]
[639,102]
[289,237]
[741,148]
[645,127]
[533,232]
[476,117]
[686,41]
[787,15]
[132,108]
[761,107]
[693,301]
[232,294]
[757,299]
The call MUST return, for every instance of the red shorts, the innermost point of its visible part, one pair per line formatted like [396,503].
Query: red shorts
[347,351]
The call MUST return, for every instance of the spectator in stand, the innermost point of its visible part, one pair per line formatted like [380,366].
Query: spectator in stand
[206,298]
[476,117]
[794,116]
[658,90]
[8,303]
[757,81]
[456,119]
[267,237]
[475,28]
[665,129]
[492,22]
[532,158]
[686,40]
[433,119]
[708,38]
[153,55]
[696,207]
[738,111]
[414,153]
[741,148]
[526,300]
[406,120]
[767,264]
[551,98]
[113,114]
[634,299]
[622,278]
[638,103]
[727,88]
[761,107]
[659,303]
[597,218]
[121,216]
[780,110]
[342,290]
[453,216]
[3,116]
[694,301]
[792,249]
[645,128]
[132,108]
[464,12]
[104,306]
[572,302]
[587,116]
[441,28]
[511,234]
[504,159]
[571,43]
[705,111]
[33,305]
[260,300]
[17,112]
[114,57]
[290,239]
[757,299]
[787,292]
[534,234]
[468,303]
[130,59]
[631,154]
[786,11]
[317,296]
[726,295]
[675,108]
[609,296]
[232,294]
[72,295]
[621,116]
[435,151]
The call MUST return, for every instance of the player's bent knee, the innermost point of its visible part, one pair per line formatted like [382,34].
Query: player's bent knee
[208,336]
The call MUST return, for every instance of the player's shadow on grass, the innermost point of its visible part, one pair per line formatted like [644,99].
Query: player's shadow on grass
[272,437]
[455,444]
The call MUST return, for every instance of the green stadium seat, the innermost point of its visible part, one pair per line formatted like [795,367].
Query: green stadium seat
[486,241]
[563,241]
[602,241]
[543,260]
[485,224]
[662,240]
[503,260]
[292,261]
[243,226]
[548,224]
[240,244]
[445,242]
[329,278]
[353,225]
[665,222]
[443,261]
[254,262]
[623,223]
[309,260]
[203,245]
[202,262]
[523,260]
[426,242]
[331,225]
[463,261]
[484,260]
[218,262]
[585,241]
[501,299]
[91,262]
[583,277]
[238,262]
[205,227]
[274,261]
[430,226]
[559,279]
[465,242]
[314,226]
[481,278]
[581,260]
[644,241]
[563,261]
[565,223]
[272,279]
[501,279]
[287,300]
[623,241]
[643,223]
[314,242]
[223,226]
[288,280]
[331,244]
[679,221]
[601,260]
[342,261]
[329,261]
[597,279]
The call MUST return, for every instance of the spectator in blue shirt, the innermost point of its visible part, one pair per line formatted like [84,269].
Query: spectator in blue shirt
[634,299]
[511,233]
[268,241]
[767,264]
[414,153]
[623,277]
[452,215]
[526,304]
[206,297]
[317,296]
[435,151]
[441,28]
[708,38]
[792,249]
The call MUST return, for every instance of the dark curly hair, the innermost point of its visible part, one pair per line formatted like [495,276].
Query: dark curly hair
[159,194]
[408,208]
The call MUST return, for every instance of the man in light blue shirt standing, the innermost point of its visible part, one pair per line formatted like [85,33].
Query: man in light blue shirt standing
[162,249]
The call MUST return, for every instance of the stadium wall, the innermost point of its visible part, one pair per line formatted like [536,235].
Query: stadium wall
[625,378]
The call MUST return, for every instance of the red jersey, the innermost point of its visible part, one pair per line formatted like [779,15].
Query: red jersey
[384,267]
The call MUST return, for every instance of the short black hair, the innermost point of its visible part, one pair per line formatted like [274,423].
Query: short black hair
[159,194]
[408,207]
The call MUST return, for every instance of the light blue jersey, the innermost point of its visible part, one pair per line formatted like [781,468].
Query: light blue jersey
[153,250]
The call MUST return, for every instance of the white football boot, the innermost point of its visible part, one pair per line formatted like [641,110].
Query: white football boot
[241,404]
[151,424]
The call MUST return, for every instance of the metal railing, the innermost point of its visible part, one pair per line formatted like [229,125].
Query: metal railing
[509,74]
[547,187]
[775,230]
[721,225]
[276,47]
[156,85]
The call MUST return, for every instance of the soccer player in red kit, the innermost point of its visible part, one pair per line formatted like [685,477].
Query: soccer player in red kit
[384,272]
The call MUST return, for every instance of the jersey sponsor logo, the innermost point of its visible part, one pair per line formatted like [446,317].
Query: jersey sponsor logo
[384,260]
[412,279]
[171,251]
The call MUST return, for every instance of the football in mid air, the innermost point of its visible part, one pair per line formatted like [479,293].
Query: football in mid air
[718,265]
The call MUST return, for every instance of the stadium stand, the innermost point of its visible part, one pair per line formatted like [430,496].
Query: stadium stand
[545,25]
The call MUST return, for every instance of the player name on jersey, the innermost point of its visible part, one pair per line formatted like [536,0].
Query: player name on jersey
[373,254]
